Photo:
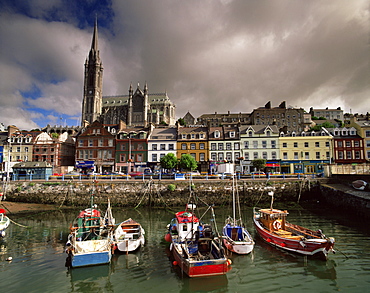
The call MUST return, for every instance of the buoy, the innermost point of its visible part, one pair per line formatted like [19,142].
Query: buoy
[174,263]
[9,258]
[229,262]
[268,240]
[168,237]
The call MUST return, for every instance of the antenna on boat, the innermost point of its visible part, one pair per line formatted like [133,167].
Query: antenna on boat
[271,193]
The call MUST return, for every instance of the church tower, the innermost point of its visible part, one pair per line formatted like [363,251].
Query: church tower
[93,83]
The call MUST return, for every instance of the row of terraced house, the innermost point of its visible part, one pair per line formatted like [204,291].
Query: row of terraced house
[119,148]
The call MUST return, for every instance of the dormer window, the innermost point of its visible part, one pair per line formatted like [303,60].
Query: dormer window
[250,133]
[217,134]
[232,133]
[268,133]
[183,136]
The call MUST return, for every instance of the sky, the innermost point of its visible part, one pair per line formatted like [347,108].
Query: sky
[208,55]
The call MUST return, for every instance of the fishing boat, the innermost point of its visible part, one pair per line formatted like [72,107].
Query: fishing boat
[235,236]
[90,240]
[272,226]
[129,236]
[195,247]
[4,222]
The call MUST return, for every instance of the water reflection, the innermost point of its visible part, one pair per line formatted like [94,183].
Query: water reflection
[92,279]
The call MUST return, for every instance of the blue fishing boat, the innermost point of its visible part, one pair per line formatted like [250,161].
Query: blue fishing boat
[90,240]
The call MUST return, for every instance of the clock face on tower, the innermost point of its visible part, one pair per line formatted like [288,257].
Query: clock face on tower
[90,91]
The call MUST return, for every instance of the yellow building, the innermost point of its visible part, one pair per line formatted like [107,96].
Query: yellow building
[306,152]
[194,141]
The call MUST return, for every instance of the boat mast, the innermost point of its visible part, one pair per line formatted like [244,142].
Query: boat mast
[234,213]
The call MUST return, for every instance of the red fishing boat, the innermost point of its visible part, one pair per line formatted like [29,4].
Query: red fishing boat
[194,246]
[272,226]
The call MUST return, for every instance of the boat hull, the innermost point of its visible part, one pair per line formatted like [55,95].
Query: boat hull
[200,268]
[318,248]
[130,245]
[238,247]
[4,224]
[91,259]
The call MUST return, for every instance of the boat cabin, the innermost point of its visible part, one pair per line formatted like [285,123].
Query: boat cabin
[273,219]
[185,225]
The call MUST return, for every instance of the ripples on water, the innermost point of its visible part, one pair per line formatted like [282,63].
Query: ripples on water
[38,259]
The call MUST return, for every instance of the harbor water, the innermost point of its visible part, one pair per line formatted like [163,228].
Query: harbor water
[38,258]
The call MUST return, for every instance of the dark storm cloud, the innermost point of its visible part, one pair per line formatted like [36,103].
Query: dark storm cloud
[210,56]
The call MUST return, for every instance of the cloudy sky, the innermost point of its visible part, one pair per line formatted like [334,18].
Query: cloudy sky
[209,55]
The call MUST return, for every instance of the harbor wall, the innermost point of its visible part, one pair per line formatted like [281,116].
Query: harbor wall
[344,198]
[158,193]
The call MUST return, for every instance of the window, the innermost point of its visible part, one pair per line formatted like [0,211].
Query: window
[154,157]
[255,155]
[192,135]
[100,142]
[273,155]
[229,156]
[357,155]
[348,144]
[264,155]
[246,144]
[110,142]
[217,134]
[26,149]
[154,147]
[163,147]
[306,144]
[140,146]
[237,155]
[213,156]
[228,146]
[18,149]
[220,146]
[317,144]
[295,155]
[236,145]
[273,144]
[192,146]
[317,155]
[295,144]
[367,133]
[250,133]
[122,158]
[171,147]
[349,155]
[201,157]
[183,146]
[232,133]
[356,143]
[340,144]
[307,155]
[220,156]
[139,158]
[90,142]
[201,146]
[327,144]
[255,144]
[340,155]
[80,143]
[285,145]
[183,136]
[213,146]
[264,144]
[268,133]
[201,135]
[246,156]
[285,156]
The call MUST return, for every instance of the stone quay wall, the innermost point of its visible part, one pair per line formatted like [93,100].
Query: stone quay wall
[158,193]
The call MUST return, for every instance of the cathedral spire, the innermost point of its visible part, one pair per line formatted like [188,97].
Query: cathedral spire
[94,43]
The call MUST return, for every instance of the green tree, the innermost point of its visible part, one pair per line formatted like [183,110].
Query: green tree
[169,161]
[259,164]
[187,162]
[181,121]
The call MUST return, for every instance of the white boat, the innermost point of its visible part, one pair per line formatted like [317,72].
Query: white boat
[129,236]
[4,222]
[235,236]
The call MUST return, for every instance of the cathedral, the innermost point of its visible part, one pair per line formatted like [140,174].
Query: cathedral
[138,108]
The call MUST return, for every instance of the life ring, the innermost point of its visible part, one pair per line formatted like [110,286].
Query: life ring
[276,225]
